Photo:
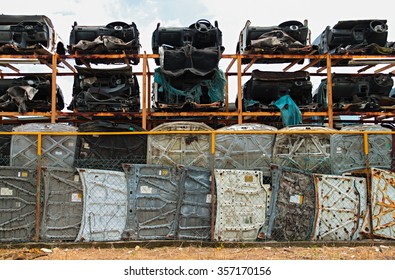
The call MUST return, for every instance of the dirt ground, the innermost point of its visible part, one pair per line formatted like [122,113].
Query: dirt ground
[376,252]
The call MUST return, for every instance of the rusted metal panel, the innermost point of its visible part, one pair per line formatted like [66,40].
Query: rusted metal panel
[347,150]
[244,151]
[180,149]
[194,220]
[17,204]
[62,207]
[341,207]
[382,201]
[105,205]
[242,204]
[293,206]
[153,197]
[307,151]
[57,151]
[168,203]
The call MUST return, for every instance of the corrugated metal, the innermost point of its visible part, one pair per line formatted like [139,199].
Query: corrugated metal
[309,152]
[105,205]
[382,200]
[242,204]
[17,204]
[180,149]
[57,151]
[293,206]
[62,209]
[168,203]
[347,152]
[244,151]
[341,207]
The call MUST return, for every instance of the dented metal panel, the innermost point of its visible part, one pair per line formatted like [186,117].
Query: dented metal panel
[242,204]
[194,219]
[180,149]
[341,207]
[63,201]
[382,201]
[347,150]
[307,151]
[293,206]
[153,196]
[168,203]
[57,150]
[17,204]
[244,151]
[105,205]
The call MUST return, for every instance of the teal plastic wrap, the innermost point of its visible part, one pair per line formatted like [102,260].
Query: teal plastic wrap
[215,86]
[290,112]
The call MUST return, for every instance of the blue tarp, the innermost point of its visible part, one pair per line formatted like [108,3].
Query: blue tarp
[290,112]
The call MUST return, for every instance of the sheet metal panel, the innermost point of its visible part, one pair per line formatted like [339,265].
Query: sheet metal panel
[153,198]
[348,154]
[168,203]
[382,200]
[180,149]
[309,152]
[242,204]
[292,207]
[63,201]
[244,151]
[17,204]
[341,207]
[104,204]
[57,151]
[194,219]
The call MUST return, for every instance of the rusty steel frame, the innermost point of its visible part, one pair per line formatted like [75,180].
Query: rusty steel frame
[146,115]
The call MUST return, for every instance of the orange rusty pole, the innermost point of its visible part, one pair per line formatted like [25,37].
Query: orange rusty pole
[239,94]
[38,188]
[368,181]
[212,188]
[329,90]
[144,107]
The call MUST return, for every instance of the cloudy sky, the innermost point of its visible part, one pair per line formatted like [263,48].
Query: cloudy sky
[231,16]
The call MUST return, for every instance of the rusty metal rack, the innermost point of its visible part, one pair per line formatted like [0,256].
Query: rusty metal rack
[147,117]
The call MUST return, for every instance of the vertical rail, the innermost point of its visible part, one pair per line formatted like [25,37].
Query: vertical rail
[212,189]
[53,90]
[368,182]
[144,107]
[239,93]
[329,90]
[38,188]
